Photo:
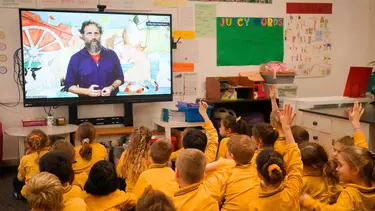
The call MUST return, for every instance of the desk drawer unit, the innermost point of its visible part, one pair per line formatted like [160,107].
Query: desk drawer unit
[316,122]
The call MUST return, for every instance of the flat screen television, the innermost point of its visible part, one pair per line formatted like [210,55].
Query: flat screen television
[75,57]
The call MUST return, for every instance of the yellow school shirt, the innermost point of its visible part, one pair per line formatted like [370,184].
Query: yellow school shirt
[72,191]
[195,197]
[315,185]
[240,188]
[116,200]
[99,153]
[29,167]
[352,197]
[212,142]
[80,179]
[360,140]
[222,153]
[130,182]
[159,177]
[75,204]
[286,196]
[280,145]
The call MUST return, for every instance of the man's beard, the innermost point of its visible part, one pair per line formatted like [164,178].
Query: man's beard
[93,47]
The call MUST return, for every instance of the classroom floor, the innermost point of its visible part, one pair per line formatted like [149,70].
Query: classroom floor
[7,201]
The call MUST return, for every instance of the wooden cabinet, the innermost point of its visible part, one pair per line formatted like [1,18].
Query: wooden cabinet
[216,85]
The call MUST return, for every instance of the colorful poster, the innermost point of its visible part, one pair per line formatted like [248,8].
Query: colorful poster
[308,39]
[205,20]
[249,41]
[242,1]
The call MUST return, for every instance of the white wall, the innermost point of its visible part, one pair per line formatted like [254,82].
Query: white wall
[351,35]
[372,30]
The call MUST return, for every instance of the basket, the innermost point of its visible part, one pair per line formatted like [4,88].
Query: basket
[281,78]
[192,111]
[37,122]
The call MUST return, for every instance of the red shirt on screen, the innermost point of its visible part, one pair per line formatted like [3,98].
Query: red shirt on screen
[96,58]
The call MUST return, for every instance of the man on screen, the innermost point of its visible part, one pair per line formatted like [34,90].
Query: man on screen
[93,71]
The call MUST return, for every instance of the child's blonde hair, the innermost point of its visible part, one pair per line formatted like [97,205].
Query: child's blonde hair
[86,134]
[191,164]
[45,192]
[275,120]
[242,147]
[361,158]
[37,140]
[137,152]
[346,141]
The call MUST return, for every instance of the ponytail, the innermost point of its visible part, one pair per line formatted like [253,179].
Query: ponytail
[372,155]
[86,150]
[266,133]
[330,174]
[37,141]
[236,125]
[270,165]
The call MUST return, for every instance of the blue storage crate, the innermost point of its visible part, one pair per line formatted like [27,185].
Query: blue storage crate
[192,111]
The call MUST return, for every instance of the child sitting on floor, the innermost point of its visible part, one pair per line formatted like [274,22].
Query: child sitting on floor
[88,152]
[277,192]
[102,189]
[230,126]
[193,195]
[45,193]
[196,139]
[135,159]
[60,164]
[158,176]
[37,146]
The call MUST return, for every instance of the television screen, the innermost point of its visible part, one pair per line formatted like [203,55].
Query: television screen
[72,57]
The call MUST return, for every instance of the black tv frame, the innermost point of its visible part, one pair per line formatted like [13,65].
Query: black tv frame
[40,102]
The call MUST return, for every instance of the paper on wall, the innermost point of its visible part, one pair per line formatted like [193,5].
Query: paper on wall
[67,4]
[185,84]
[182,67]
[18,3]
[128,4]
[186,18]
[178,84]
[170,3]
[205,20]
[187,51]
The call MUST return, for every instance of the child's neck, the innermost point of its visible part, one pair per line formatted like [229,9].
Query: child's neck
[362,182]
[281,133]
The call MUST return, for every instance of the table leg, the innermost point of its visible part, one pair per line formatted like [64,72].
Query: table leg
[21,147]
[168,133]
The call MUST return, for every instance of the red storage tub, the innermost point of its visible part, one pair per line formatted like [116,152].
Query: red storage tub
[157,135]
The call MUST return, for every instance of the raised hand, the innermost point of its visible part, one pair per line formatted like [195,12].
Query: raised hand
[287,116]
[356,112]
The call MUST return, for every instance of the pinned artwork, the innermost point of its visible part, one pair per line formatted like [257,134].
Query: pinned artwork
[308,39]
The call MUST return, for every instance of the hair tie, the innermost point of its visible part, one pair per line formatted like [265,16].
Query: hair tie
[238,119]
[86,141]
[273,128]
[36,137]
[273,167]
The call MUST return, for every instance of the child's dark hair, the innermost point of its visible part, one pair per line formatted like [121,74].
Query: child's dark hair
[102,179]
[86,134]
[155,200]
[270,165]
[37,140]
[65,147]
[161,151]
[58,163]
[301,135]
[136,152]
[242,147]
[314,156]
[266,133]
[195,139]
[236,125]
[361,158]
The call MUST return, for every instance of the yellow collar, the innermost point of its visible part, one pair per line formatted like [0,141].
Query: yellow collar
[265,194]
[312,173]
[362,189]
[187,189]
[243,166]
[281,138]
[67,188]
[156,165]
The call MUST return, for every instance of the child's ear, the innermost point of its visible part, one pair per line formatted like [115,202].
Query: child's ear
[355,170]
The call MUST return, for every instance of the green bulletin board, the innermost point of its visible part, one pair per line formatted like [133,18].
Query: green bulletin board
[249,41]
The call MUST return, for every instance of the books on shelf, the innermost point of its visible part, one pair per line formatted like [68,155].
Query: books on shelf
[170,115]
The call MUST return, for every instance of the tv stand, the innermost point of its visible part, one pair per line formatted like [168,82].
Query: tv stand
[126,120]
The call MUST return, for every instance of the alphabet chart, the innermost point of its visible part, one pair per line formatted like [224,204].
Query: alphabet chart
[308,42]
